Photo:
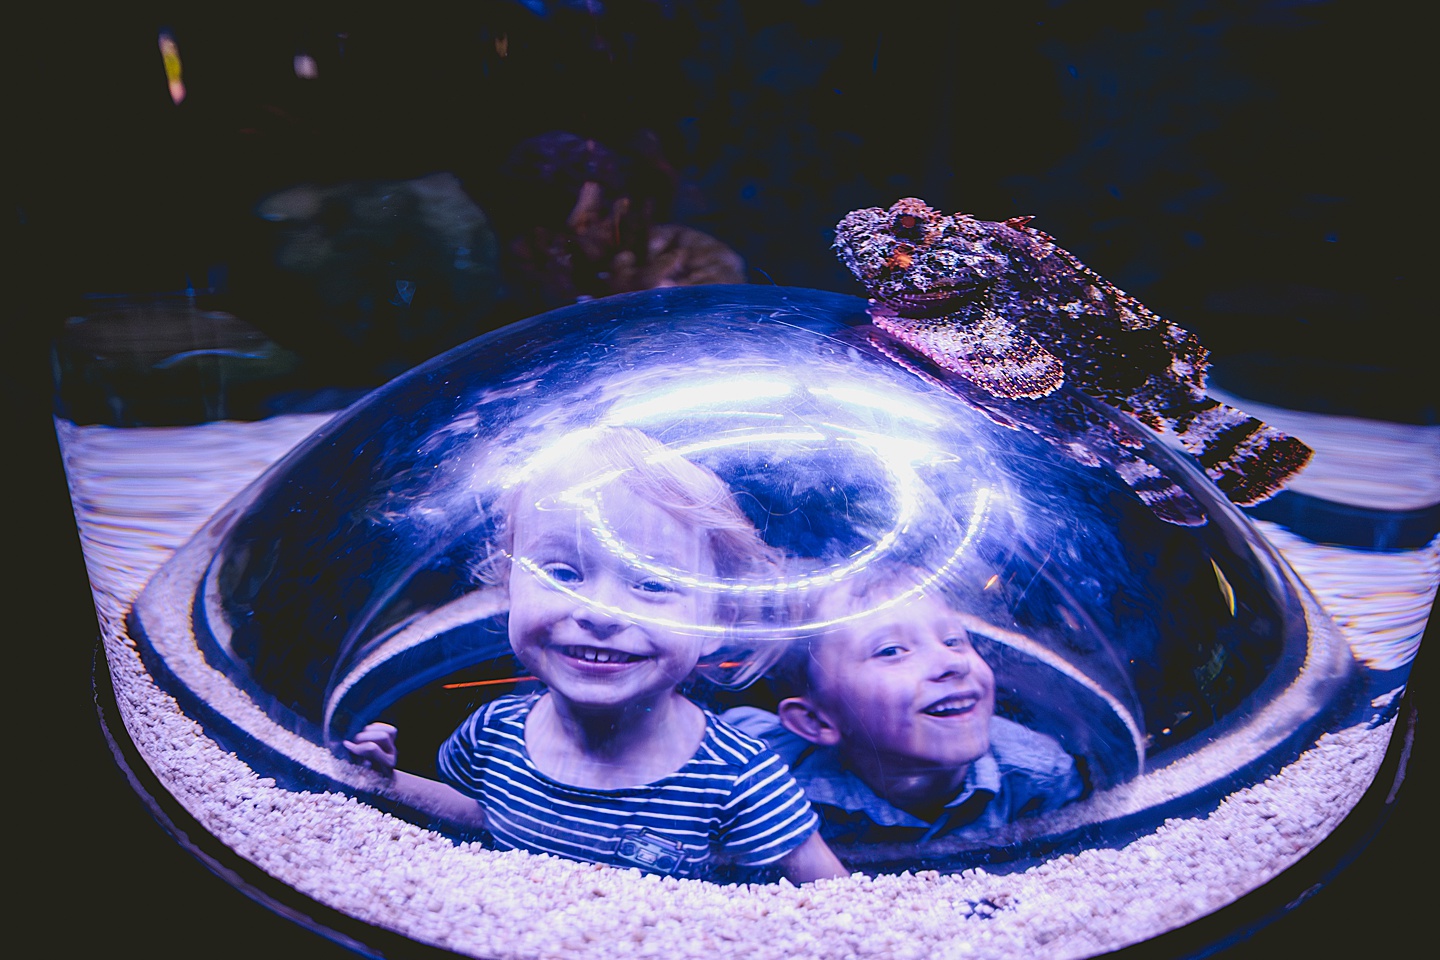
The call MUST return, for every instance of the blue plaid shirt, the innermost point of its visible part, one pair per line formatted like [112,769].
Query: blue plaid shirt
[1023,773]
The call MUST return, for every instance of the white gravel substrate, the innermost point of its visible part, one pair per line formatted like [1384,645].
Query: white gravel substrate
[386,871]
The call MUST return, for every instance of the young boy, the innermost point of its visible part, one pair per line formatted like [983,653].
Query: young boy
[616,557]
[892,732]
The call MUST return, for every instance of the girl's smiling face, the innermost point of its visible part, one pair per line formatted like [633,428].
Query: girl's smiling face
[600,631]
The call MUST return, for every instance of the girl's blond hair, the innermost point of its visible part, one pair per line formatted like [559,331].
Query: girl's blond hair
[688,492]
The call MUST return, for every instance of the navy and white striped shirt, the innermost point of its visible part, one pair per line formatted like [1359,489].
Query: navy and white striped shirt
[733,796]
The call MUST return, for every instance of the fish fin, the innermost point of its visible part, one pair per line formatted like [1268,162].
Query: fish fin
[1158,492]
[896,353]
[1080,453]
[1246,458]
[993,354]
[902,357]
[1132,314]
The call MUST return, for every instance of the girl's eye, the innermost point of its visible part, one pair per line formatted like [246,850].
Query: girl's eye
[890,650]
[562,573]
[961,641]
[653,586]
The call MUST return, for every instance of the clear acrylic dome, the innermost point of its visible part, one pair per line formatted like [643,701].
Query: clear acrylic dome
[364,575]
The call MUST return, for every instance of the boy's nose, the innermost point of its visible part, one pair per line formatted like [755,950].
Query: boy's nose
[951,662]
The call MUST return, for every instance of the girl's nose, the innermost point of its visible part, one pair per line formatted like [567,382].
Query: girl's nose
[599,613]
[599,627]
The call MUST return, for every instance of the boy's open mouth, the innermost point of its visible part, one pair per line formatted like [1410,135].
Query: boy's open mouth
[599,655]
[957,704]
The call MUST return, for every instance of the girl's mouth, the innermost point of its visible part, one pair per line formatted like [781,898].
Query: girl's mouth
[600,655]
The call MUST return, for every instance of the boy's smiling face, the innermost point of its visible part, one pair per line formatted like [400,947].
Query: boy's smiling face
[600,632]
[903,686]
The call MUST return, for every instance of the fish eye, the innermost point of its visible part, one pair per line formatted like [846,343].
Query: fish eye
[908,225]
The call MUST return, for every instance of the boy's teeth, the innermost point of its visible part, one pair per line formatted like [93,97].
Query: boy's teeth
[951,706]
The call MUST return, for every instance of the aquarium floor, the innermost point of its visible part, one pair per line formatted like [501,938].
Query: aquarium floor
[139,494]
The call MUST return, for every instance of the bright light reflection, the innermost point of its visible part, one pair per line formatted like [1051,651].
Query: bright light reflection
[549,456]
[749,438]
[898,457]
[930,580]
[894,405]
[834,575]
[667,404]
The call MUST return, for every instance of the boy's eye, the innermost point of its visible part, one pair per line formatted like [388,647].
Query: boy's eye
[653,586]
[963,640]
[890,650]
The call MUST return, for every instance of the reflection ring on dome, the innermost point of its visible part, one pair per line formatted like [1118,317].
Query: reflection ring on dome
[897,458]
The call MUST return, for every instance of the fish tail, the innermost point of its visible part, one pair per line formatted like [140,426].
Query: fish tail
[1248,459]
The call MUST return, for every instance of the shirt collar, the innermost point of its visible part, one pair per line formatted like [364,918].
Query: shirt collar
[827,780]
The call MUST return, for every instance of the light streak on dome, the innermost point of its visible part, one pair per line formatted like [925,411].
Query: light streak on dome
[721,394]
[895,405]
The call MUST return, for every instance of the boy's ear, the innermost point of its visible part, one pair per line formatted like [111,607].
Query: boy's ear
[804,719]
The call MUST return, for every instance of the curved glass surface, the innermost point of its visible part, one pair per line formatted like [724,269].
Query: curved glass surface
[369,574]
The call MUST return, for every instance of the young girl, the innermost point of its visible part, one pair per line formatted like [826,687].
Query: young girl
[615,557]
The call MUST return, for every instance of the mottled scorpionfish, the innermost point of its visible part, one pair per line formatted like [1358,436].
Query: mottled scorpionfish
[1005,308]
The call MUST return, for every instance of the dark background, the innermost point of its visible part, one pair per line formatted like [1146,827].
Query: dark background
[1252,170]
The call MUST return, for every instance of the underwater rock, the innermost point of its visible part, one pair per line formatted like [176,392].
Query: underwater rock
[391,271]
[129,361]
[588,223]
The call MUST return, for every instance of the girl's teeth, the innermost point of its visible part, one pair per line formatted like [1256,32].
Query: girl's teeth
[592,655]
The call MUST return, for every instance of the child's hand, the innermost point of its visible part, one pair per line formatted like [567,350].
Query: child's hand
[375,747]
